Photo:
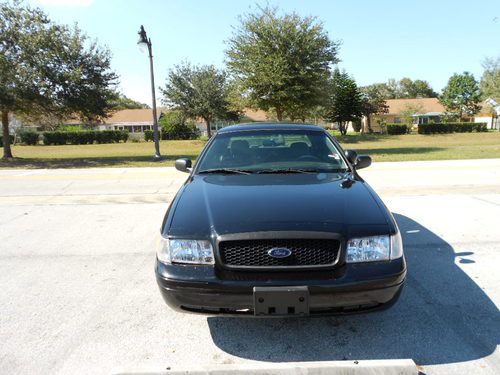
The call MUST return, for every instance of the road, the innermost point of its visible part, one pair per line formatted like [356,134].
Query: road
[78,294]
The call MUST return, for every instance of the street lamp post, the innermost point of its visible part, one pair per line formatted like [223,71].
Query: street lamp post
[143,42]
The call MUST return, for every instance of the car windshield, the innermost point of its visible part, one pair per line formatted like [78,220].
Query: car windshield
[272,151]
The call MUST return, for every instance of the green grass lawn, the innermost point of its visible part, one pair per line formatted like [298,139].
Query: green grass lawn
[380,147]
[425,147]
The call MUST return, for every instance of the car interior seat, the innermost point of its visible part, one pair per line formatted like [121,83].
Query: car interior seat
[299,149]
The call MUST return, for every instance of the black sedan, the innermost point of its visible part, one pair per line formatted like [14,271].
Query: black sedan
[274,220]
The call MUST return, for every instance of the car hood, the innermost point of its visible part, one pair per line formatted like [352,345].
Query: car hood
[223,204]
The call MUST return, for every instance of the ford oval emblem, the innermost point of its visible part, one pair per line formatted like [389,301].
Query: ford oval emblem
[279,252]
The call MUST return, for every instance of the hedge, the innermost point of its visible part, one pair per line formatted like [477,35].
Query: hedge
[29,138]
[148,135]
[186,132]
[396,129]
[11,140]
[452,127]
[80,137]
[84,137]
[179,131]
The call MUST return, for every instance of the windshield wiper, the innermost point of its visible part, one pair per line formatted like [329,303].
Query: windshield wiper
[226,171]
[301,170]
[288,170]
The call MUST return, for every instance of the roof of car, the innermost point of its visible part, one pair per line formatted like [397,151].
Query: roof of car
[269,126]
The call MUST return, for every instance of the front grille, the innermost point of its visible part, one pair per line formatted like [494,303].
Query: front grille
[304,252]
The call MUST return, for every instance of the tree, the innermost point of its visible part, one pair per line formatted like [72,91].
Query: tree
[392,88]
[490,81]
[307,114]
[123,102]
[414,89]
[462,95]
[175,125]
[345,102]
[199,92]
[45,121]
[49,68]
[409,111]
[282,62]
[405,88]
[372,102]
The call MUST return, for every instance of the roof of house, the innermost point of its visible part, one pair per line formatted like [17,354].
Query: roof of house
[487,110]
[427,107]
[139,116]
[424,105]
[131,116]
[255,114]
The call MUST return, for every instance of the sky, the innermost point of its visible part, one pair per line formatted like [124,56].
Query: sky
[382,39]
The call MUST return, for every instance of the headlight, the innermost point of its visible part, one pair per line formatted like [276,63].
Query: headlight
[373,249]
[185,251]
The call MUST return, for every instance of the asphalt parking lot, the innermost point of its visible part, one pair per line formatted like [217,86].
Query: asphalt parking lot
[78,294]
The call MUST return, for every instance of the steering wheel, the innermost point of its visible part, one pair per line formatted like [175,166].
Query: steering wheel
[308,158]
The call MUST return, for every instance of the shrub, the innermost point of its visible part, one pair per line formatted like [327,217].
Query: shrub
[29,138]
[148,135]
[396,129]
[462,127]
[481,127]
[452,127]
[82,137]
[104,136]
[123,135]
[55,138]
[11,140]
[111,136]
[174,126]
[180,131]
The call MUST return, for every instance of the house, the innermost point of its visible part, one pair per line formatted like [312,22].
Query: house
[139,120]
[249,115]
[489,113]
[422,111]
[133,120]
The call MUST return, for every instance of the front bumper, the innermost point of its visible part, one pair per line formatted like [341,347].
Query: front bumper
[349,289]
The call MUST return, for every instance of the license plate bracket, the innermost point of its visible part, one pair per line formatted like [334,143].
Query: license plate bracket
[281,301]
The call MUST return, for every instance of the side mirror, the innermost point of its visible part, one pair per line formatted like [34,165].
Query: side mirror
[183,164]
[352,156]
[363,161]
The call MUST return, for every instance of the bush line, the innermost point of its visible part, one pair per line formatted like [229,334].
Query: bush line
[84,137]
[452,127]
[396,129]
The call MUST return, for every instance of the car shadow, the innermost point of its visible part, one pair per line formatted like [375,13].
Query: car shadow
[443,316]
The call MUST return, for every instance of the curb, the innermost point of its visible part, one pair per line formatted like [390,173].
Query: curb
[370,367]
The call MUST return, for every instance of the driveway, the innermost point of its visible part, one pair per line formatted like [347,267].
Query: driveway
[78,293]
